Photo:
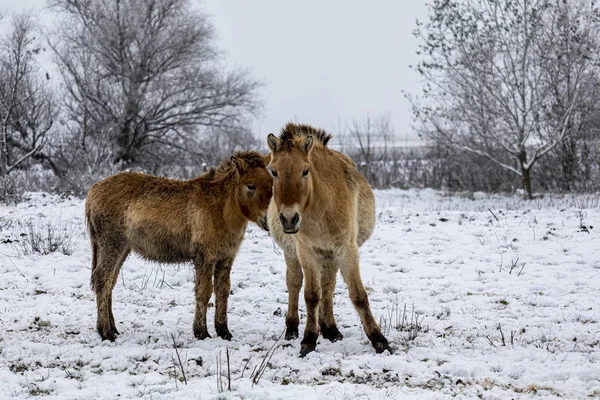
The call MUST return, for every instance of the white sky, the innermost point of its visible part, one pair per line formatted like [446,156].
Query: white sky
[324,62]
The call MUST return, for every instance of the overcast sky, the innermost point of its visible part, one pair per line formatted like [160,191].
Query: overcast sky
[324,62]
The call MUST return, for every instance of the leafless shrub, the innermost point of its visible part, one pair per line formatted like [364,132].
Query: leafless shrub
[219,374]
[257,373]
[177,363]
[403,321]
[44,238]
[11,189]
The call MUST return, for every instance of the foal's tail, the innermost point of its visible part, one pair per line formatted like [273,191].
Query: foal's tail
[92,233]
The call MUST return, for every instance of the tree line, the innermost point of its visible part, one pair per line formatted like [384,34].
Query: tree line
[510,97]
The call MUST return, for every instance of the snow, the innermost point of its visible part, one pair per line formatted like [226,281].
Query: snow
[448,256]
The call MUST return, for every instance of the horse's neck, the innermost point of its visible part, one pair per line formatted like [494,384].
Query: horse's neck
[232,215]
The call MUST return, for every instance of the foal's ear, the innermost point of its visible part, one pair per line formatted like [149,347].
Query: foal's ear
[306,144]
[273,142]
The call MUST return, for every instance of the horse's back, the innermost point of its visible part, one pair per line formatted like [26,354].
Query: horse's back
[360,188]
[365,213]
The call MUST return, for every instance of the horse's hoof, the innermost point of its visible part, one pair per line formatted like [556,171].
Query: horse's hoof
[201,335]
[332,334]
[291,334]
[109,335]
[306,348]
[380,347]
[224,333]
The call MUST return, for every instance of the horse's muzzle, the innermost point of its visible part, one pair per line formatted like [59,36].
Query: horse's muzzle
[290,226]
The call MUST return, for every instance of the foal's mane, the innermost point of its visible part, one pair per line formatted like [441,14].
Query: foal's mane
[293,131]
[244,159]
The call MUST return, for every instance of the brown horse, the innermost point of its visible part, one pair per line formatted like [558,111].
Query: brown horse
[202,220]
[322,210]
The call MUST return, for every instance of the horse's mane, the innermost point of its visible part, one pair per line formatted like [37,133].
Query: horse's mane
[294,131]
[246,159]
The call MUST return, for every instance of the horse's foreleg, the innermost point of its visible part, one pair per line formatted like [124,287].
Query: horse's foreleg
[222,289]
[312,295]
[327,323]
[349,266]
[293,278]
[203,290]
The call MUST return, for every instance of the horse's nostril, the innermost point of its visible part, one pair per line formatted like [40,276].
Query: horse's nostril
[295,219]
[281,218]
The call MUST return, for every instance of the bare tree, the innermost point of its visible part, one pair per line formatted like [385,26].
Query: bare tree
[145,74]
[27,107]
[369,142]
[487,67]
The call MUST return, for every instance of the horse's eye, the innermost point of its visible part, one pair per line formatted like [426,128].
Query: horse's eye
[305,173]
[273,173]
[251,188]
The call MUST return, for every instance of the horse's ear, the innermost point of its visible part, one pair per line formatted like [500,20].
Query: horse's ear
[273,142]
[307,144]
[267,158]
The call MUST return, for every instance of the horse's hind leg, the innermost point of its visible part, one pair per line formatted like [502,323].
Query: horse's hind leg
[293,278]
[329,329]
[115,278]
[222,289]
[349,267]
[109,261]
[203,290]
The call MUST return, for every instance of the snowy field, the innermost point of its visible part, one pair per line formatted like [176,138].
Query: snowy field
[481,296]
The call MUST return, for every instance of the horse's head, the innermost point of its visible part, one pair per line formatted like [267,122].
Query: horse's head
[255,187]
[290,168]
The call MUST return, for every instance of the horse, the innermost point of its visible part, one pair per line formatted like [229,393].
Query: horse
[322,210]
[202,220]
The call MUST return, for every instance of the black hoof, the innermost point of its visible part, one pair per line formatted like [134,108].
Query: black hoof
[306,348]
[201,334]
[291,334]
[332,334]
[380,347]
[110,334]
[224,333]
[309,343]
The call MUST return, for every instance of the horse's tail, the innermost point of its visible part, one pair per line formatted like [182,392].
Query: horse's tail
[94,243]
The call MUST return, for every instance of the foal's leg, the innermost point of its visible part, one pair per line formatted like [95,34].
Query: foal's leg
[222,289]
[312,295]
[110,256]
[351,274]
[327,323]
[203,290]
[293,278]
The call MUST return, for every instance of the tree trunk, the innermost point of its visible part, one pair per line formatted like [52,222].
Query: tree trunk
[525,175]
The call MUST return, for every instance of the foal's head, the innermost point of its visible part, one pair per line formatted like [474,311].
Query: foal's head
[290,168]
[254,186]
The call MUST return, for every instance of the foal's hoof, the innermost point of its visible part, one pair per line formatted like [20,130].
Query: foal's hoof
[224,333]
[201,334]
[380,347]
[291,334]
[306,348]
[332,334]
[108,334]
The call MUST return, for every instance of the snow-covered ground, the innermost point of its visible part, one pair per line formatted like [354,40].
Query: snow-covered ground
[505,295]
